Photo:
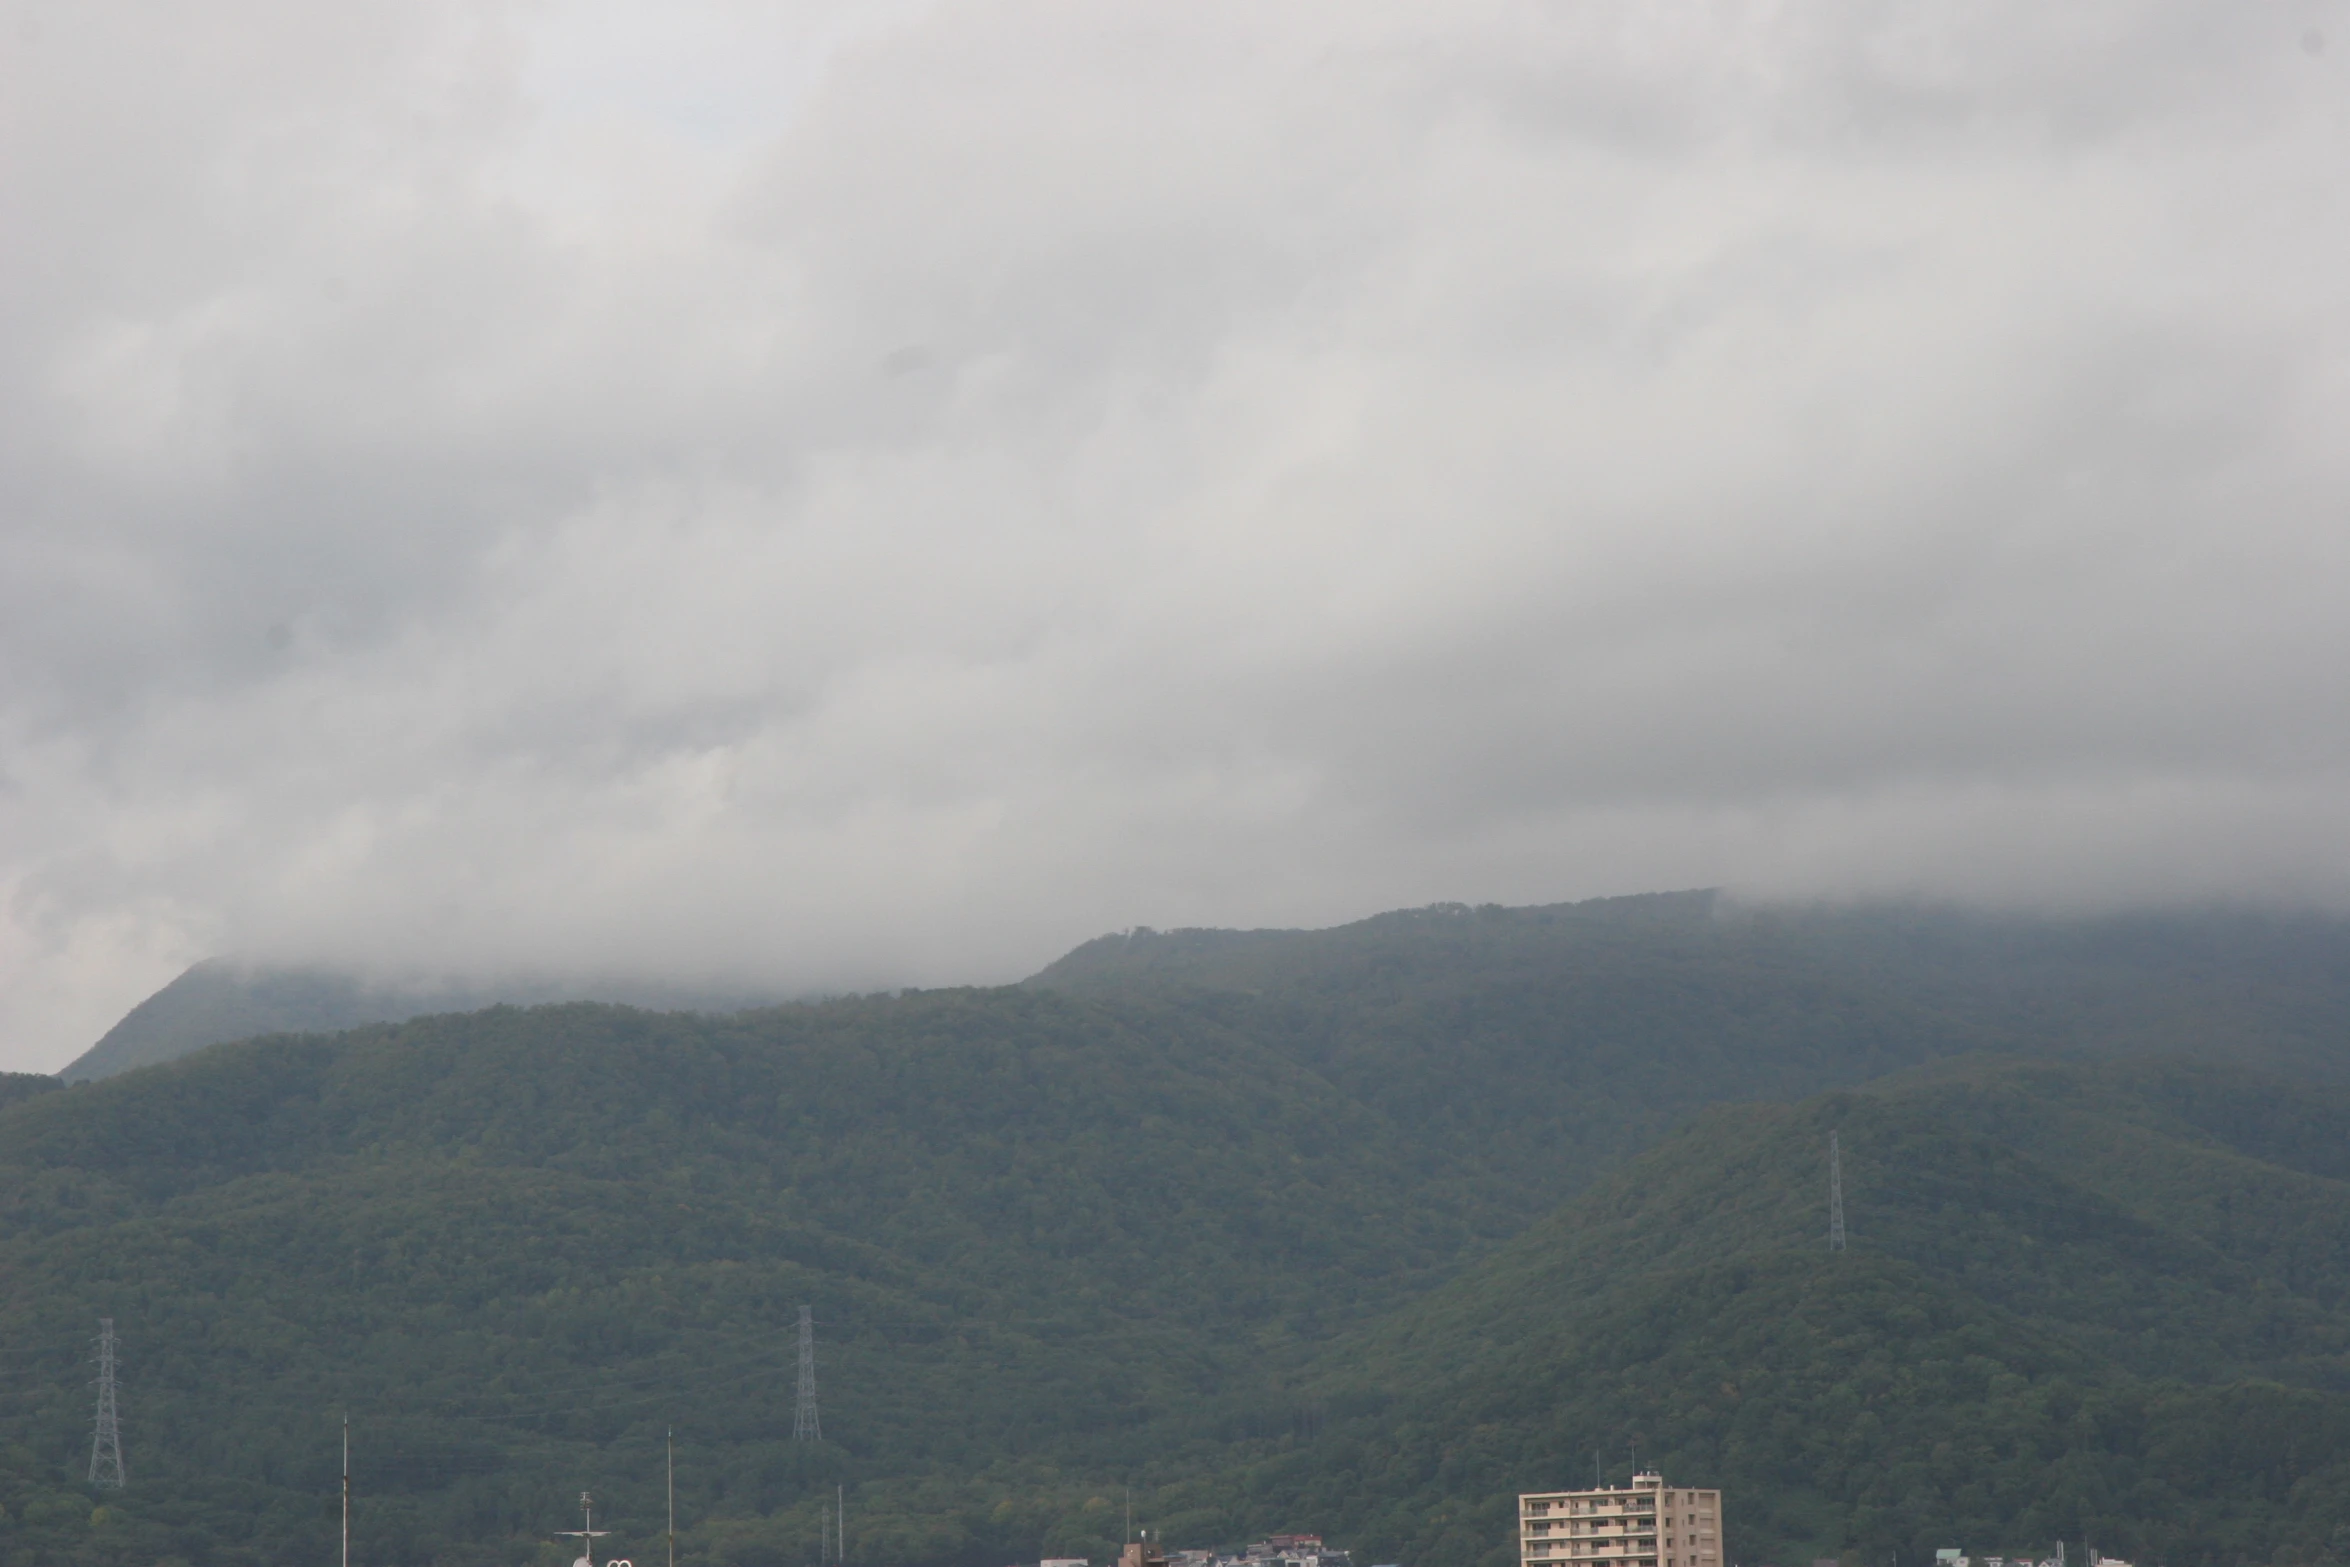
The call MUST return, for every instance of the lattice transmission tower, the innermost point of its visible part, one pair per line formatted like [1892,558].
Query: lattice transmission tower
[1835,1193]
[106,1438]
[803,1417]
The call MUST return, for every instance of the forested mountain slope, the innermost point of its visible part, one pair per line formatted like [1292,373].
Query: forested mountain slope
[2093,1302]
[518,1243]
[1561,1040]
[24,1085]
[1276,1244]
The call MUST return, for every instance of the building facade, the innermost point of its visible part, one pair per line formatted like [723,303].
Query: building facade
[1645,1524]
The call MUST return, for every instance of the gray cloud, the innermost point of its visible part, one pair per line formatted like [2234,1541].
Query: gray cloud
[879,494]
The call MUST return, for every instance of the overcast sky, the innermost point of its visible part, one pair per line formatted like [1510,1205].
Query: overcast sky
[865,494]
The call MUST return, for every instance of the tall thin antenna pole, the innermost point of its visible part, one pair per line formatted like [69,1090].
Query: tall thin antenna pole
[106,1437]
[803,1421]
[1835,1193]
[346,1488]
[587,1533]
[669,1448]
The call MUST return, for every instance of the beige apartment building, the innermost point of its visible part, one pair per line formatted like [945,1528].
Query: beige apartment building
[1644,1524]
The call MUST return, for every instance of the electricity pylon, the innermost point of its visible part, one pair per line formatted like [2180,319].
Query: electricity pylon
[106,1440]
[1835,1194]
[803,1418]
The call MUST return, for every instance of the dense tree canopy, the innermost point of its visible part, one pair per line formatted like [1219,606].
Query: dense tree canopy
[1360,1231]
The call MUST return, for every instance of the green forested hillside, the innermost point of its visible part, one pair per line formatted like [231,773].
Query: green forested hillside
[511,1239]
[23,1085]
[2079,1302]
[1483,1025]
[1344,1239]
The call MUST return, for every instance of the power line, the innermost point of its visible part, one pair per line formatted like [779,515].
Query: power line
[421,1425]
[537,1404]
[533,1410]
[106,1468]
[544,1405]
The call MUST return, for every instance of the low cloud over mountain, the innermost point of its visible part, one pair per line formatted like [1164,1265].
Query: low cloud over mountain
[880,496]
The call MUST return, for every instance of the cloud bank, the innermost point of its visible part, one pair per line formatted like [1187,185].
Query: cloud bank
[879,494]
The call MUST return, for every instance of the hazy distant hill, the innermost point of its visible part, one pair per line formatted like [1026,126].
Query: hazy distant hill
[2266,988]
[219,1000]
[2247,984]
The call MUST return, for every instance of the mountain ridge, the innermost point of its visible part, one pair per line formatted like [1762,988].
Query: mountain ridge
[2281,977]
[220,1000]
[1419,1214]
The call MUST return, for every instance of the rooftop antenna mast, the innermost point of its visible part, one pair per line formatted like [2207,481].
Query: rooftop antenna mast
[1835,1193]
[587,1534]
[106,1439]
[803,1418]
[346,1488]
[669,1449]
